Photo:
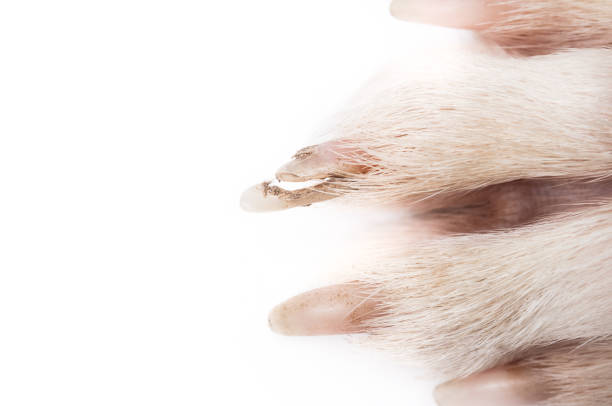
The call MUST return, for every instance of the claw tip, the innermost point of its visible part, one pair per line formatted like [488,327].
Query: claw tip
[254,199]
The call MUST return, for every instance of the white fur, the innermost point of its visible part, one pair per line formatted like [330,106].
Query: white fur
[539,26]
[572,373]
[539,295]
[465,303]
[482,120]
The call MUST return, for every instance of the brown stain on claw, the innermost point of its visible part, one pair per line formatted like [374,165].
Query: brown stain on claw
[299,197]
[304,153]
[291,195]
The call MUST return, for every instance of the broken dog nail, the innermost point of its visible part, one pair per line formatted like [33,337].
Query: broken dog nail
[267,197]
[317,162]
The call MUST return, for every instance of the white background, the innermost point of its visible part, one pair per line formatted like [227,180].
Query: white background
[128,129]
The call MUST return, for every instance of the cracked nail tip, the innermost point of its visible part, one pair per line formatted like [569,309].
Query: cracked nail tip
[300,171]
[286,173]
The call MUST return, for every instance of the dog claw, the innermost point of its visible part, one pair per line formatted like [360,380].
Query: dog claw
[265,197]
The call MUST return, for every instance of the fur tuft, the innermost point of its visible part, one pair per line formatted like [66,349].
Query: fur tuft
[537,27]
[487,120]
[464,304]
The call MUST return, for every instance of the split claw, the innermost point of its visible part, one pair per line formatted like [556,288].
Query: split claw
[320,162]
[267,197]
[316,162]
